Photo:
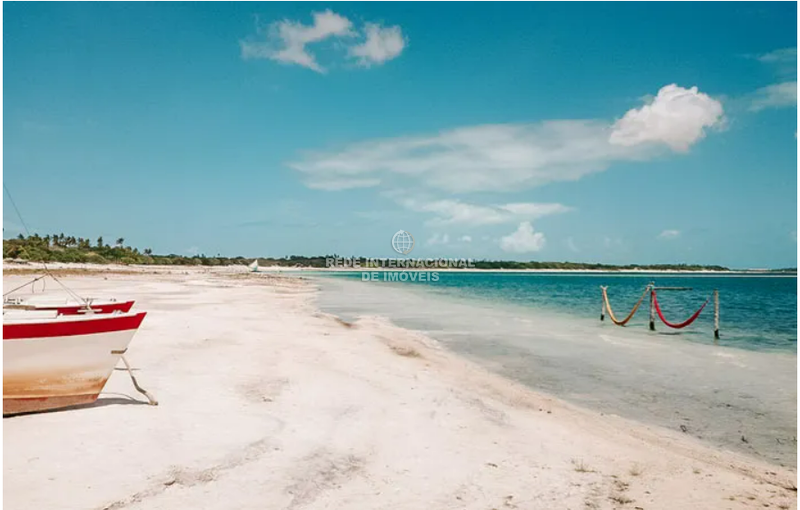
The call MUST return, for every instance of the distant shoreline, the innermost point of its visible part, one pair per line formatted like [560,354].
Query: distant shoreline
[76,250]
[30,267]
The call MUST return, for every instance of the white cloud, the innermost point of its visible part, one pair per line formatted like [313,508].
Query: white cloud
[781,56]
[381,44]
[438,239]
[782,94]
[669,234]
[344,183]
[783,60]
[510,157]
[466,239]
[286,41]
[677,117]
[450,211]
[778,95]
[534,210]
[523,240]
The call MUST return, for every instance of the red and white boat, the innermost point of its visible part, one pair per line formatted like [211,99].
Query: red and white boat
[52,361]
[67,305]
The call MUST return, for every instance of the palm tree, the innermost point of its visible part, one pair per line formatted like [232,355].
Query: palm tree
[148,251]
[100,242]
[120,241]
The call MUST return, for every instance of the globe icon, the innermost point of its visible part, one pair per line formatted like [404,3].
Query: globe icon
[403,242]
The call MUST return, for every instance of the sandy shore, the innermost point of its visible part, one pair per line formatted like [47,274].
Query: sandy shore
[267,403]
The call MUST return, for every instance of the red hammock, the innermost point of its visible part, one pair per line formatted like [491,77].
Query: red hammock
[682,324]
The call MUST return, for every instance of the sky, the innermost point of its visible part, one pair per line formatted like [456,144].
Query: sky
[614,133]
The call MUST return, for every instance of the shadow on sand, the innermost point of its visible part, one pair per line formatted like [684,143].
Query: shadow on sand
[105,399]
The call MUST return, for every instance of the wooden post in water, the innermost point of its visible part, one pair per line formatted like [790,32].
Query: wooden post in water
[652,309]
[603,306]
[716,315]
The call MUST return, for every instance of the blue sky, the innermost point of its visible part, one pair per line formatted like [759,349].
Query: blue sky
[615,133]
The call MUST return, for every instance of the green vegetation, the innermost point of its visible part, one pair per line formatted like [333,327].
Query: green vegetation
[61,248]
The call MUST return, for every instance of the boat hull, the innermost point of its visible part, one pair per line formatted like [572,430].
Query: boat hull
[54,364]
[12,406]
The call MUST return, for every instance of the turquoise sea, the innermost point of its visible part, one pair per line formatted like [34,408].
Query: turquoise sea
[757,312]
[544,330]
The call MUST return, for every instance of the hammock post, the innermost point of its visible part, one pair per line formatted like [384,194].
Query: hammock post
[716,315]
[602,305]
[652,309]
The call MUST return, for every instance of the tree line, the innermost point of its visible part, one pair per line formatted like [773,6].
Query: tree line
[61,248]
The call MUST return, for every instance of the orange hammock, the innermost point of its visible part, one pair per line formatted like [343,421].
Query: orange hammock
[630,315]
[681,324]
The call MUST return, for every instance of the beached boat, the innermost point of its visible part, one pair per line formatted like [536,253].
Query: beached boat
[52,361]
[67,305]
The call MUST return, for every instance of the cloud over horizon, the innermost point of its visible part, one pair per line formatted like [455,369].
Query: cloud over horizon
[523,240]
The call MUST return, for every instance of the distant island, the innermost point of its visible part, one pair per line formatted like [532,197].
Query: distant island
[61,248]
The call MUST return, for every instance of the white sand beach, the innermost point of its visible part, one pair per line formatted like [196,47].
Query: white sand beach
[265,402]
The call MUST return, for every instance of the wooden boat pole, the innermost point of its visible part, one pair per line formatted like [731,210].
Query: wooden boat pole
[716,315]
[150,399]
[652,309]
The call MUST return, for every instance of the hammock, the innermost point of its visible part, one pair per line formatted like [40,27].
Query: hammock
[630,315]
[681,324]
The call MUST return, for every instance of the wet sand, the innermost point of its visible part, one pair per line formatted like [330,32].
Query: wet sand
[266,402]
[728,397]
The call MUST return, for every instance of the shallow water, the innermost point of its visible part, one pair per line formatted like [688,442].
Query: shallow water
[739,399]
[756,312]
